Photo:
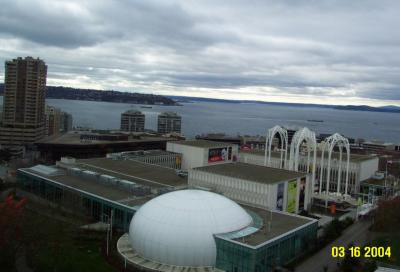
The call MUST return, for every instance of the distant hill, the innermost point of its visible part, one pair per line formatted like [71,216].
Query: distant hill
[368,108]
[59,92]
[390,108]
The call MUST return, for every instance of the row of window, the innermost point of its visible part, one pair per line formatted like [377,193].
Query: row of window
[95,208]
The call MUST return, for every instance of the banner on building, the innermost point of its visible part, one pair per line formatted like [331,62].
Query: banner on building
[279,197]
[219,154]
[291,196]
[302,195]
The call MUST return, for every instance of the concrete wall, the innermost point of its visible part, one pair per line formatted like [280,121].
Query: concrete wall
[358,170]
[238,189]
[245,191]
[368,168]
[191,156]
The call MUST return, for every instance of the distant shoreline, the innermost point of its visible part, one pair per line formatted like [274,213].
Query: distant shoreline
[68,93]
[295,105]
[184,99]
[60,92]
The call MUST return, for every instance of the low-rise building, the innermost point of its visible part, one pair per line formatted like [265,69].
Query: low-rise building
[377,146]
[169,122]
[379,187]
[220,137]
[361,167]
[157,157]
[94,187]
[197,153]
[132,121]
[87,144]
[119,189]
[205,231]
[260,186]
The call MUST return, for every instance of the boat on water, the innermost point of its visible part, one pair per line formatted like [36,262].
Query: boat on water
[146,107]
[315,121]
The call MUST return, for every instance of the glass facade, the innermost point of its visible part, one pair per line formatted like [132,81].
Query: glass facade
[232,256]
[77,201]
[237,257]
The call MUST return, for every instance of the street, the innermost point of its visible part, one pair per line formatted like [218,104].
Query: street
[357,234]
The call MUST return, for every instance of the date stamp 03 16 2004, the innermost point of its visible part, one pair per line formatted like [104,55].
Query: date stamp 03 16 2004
[361,252]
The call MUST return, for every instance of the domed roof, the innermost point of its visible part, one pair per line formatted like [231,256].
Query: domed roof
[177,228]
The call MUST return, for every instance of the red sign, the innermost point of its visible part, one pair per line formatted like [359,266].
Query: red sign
[245,147]
[215,158]
[219,154]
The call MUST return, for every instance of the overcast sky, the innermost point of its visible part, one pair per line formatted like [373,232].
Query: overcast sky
[303,51]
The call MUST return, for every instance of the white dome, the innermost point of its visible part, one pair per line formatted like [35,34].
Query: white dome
[177,228]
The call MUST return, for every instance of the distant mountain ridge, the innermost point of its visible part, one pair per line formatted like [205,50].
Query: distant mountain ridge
[60,92]
[389,108]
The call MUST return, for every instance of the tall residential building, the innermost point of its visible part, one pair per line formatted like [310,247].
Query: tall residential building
[24,119]
[53,120]
[132,121]
[169,122]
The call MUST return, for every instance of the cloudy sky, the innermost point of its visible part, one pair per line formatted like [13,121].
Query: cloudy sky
[303,51]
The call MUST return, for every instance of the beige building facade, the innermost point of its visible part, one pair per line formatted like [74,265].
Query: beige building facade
[23,119]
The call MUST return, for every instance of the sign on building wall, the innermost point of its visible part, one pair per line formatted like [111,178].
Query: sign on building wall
[219,154]
[279,197]
[291,196]
[302,193]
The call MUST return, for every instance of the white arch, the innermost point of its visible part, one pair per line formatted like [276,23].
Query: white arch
[330,143]
[283,148]
[299,137]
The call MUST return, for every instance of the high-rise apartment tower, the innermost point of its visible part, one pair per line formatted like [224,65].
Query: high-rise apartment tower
[24,118]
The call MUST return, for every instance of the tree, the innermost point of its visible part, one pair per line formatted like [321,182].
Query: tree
[387,215]
[349,264]
[370,266]
[11,237]
[333,230]
[5,155]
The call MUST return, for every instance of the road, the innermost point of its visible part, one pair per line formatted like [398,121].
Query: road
[357,234]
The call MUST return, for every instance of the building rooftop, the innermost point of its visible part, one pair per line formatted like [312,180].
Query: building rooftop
[274,225]
[251,172]
[203,143]
[96,188]
[133,112]
[335,155]
[378,143]
[124,181]
[382,182]
[169,114]
[148,174]
[220,137]
[73,138]
[141,153]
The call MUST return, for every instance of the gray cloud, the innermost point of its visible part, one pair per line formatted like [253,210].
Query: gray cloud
[51,23]
[311,49]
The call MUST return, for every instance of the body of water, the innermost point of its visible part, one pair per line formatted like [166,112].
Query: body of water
[233,119]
